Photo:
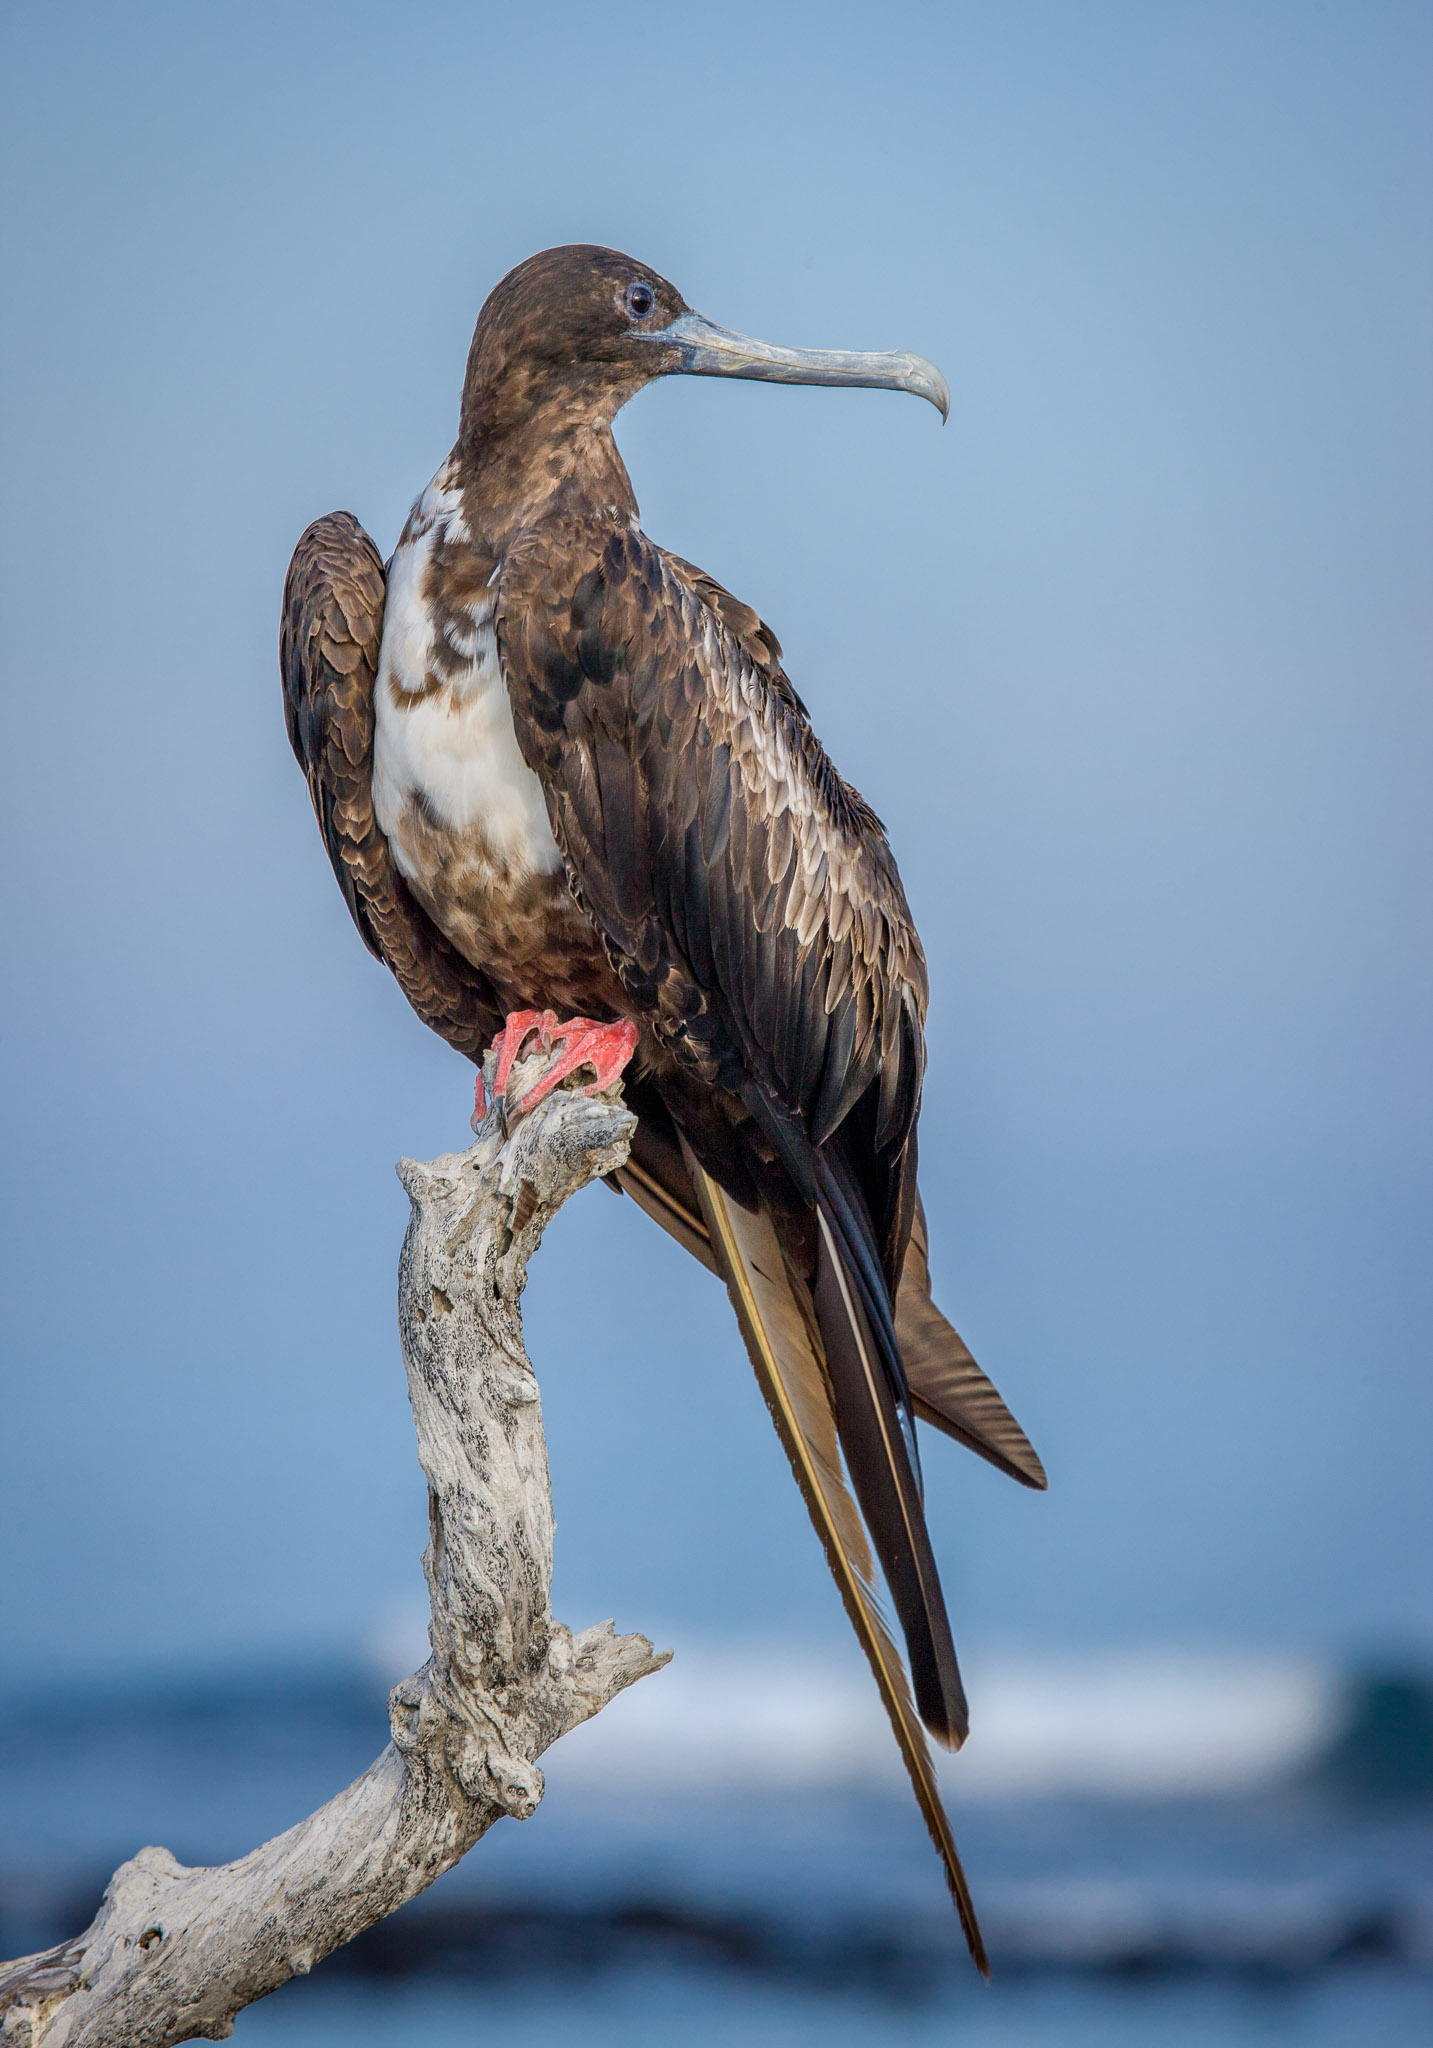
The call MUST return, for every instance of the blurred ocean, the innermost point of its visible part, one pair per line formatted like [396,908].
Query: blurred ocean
[1166,1849]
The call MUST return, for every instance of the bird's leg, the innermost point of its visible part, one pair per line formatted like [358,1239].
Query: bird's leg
[606,1048]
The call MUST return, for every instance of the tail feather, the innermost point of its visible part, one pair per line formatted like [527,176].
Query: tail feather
[948,1389]
[779,1322]
[877,1431]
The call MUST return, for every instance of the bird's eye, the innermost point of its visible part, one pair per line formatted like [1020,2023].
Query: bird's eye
[640,300]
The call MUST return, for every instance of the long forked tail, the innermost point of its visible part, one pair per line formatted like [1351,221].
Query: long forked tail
[948,1389]
[778,1320]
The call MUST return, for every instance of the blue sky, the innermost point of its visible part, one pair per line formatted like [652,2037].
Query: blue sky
[1133,658]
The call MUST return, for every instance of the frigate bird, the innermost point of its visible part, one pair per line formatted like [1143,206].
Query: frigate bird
[564,781]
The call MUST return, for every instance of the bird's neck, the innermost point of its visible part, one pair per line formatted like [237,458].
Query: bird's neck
[558,455]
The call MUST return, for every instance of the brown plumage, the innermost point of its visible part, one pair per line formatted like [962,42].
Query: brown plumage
[328,654]
[556,767]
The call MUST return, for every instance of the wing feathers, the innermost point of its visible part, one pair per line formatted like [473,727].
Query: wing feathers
[328,655]
[724,859]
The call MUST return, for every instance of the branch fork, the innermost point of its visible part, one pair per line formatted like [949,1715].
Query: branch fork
[174,1953]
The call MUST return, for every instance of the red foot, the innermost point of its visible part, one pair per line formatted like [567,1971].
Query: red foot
[606,1048]
[510,1041]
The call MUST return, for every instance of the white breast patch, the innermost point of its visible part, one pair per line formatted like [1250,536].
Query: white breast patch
[450,751]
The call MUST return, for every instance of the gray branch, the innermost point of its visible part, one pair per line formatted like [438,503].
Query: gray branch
[174,1953]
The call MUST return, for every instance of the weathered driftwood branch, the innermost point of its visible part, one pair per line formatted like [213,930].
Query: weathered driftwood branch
[173,1953]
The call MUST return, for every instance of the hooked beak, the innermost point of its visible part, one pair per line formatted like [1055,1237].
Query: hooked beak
[706,350]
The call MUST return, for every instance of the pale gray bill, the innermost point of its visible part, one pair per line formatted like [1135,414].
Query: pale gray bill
[711,351]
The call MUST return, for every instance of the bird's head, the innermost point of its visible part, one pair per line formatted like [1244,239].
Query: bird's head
[586,328]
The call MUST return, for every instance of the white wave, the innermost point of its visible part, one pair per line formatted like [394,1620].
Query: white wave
[1147,1721]
[1142,1722]
[735,1718]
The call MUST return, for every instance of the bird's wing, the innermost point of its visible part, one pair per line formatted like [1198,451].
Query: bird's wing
[746,894]
[773,1309]
[750,905]
[948,1388]
[328,658]
[745,625]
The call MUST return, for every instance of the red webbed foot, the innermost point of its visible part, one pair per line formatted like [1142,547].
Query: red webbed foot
[605,1048]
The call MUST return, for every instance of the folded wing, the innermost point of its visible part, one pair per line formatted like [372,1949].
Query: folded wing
[328,660]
